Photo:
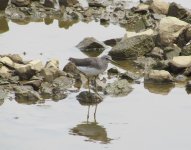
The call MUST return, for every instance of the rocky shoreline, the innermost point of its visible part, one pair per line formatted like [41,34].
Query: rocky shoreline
[158,42]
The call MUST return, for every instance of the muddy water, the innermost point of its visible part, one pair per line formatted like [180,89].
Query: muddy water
[150,117]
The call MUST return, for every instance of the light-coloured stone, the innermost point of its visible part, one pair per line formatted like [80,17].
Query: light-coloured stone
[170,28]
[54,63]
[181,61]
[146,32]
[36,65]
[159,6]
[158,76]
[7,61]
[5,72]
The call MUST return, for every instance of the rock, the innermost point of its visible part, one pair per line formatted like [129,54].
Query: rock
[112,42]
[171,51]
[21,3]
[188,87]
[180,78]
[178,11]
[46,90]
[146,32]
[159,6]
[16,58]
[142,8]
[163,89]
[5,72]
[49,3]
[162,65]
[68,3]
[158,76]
[98,3]
[26,94]
[4,4]
[7,61]
[58,93]
[71,68]
[34,83]
[186,51]
[130,76]
[118,88]
[54,63]
[49,74]
[187,71]
[157,53]
[63,82]
[14,13]
[36,65]
[91,44]
[51,70]
[132,47]
[86,98]
[181,61]
[169,29]
[145,63]
[4,27]
[112,71]
[24,71]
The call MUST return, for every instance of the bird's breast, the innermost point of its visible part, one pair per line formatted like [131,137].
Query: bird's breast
[90,71]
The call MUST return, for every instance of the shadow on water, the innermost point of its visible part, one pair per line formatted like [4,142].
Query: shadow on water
[3,25]
[93,131]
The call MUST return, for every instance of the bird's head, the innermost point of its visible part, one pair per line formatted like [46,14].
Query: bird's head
[108,59]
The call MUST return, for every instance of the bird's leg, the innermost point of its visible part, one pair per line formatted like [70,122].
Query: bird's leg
[95,84]
[88,113]
[95,113]
[88,84]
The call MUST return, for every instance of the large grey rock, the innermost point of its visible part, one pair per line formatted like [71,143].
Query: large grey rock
[46,90]
[170,28]
[132,47]
[118,88]
[26,94]
[158,76]
[63,82]
[21,3]
[91,44]
[159,6]
[4,4]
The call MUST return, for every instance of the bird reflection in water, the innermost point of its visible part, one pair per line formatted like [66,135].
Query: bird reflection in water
[93,131]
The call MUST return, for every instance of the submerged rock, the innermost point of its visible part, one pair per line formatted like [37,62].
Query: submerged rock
[158,76]
[85,98]
[90,44]
[118,88]
[130,76]
[145,63]
[3,4]
[132,47]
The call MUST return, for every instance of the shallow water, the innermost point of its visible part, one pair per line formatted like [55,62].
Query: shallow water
[150,117]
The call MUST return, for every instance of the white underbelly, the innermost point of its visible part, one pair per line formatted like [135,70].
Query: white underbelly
[90,71]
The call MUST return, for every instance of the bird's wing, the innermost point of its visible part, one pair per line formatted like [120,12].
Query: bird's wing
[84,62]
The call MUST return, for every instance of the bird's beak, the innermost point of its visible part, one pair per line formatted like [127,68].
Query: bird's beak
[113,61]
